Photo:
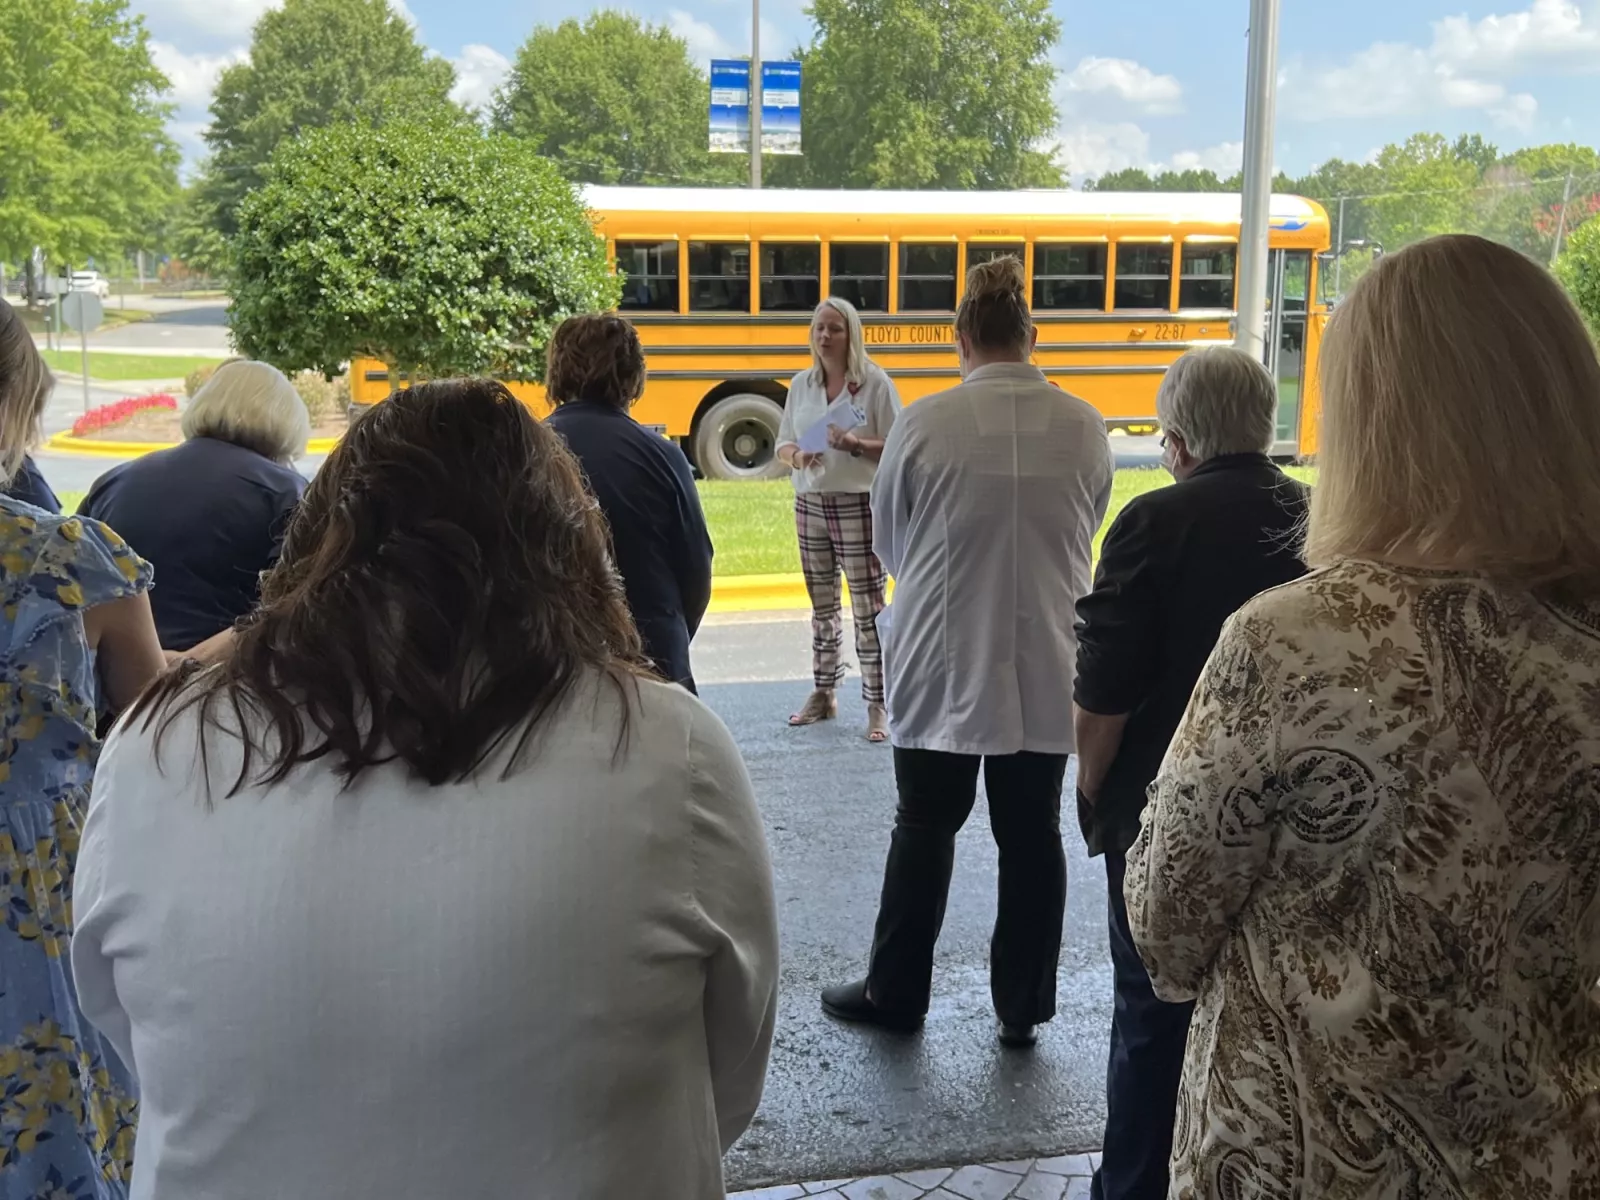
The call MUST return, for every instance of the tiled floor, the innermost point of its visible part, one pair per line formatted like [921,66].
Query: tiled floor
[1063,1178]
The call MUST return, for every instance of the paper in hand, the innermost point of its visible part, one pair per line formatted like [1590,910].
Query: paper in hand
[841,414]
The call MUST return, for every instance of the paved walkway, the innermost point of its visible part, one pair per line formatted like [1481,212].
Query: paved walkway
[1063,1178]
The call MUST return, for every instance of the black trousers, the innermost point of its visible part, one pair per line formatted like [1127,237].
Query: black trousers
[1148,1037]
[937,792]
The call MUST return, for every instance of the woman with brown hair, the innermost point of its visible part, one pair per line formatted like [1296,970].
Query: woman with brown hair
[642,480]
[1373,850]
[426,887]
[984,511]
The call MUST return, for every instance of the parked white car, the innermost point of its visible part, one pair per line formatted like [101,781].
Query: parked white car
[91,281]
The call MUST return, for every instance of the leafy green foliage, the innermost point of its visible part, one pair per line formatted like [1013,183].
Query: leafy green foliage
[927,94]
[87,160]
[613,99]
[430,245]
[312,63]
[1579,268]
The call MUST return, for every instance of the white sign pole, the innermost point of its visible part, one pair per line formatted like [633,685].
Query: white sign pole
[1261,89]
[755,94]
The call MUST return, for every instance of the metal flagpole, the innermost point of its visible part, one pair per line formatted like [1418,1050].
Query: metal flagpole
[1561,223]
[755,93]
[1261,86]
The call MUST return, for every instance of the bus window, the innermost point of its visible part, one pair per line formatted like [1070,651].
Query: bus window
[650,276]
[719,277]
[1207,278]
[1070,276]
[1144,276]
[927,277]
[859,272]
[979,254]
[791,276]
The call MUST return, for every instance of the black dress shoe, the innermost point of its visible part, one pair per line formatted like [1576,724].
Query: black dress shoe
[848,1002]
[1019,1037]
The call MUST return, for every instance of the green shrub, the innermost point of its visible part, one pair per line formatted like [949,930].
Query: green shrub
[196,379]
[1579,269]
[324,398]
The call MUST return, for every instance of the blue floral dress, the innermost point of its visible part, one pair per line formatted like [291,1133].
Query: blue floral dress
[67,1104]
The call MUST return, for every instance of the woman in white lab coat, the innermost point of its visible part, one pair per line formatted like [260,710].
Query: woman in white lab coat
[986,503]
[833,478]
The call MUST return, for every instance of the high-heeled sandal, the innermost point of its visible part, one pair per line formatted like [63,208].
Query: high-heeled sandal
[877,724]
[821,705]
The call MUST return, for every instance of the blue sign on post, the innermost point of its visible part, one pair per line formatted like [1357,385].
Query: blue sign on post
[730,106]
[780,108]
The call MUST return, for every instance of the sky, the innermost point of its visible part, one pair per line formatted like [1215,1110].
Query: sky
[1151,83]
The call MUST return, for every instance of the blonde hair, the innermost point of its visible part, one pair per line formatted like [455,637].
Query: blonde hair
[252,405]
[855,357]
[994,313]
[1461,414]
[25,385]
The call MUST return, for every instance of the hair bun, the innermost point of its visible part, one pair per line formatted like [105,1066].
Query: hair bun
[997,277]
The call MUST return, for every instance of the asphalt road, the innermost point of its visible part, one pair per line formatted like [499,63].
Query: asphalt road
[842,1101]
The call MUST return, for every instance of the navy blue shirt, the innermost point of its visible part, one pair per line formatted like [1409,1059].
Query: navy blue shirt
[210,517]
[29,486]
[658,531]
[1176,564]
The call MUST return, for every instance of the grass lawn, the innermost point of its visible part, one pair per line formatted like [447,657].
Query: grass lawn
[33,319]
[112,367]
[752,524]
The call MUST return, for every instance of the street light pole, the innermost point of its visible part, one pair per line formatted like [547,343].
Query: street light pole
[1260,102]
[755,93]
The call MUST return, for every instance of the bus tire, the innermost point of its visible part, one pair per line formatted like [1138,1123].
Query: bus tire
[737,438]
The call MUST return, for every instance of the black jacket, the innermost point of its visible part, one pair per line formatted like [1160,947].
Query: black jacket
[658,531]
[1175,565]
[29,486]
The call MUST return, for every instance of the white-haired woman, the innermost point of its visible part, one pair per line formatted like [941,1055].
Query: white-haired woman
[833,503]
[1373,850]
[209,514]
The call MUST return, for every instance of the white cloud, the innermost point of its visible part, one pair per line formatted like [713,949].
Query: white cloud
[707,41]
[480,70]
[1468,66]
[1224,158]
[193,76]
[1550,32]
[229,20]
[1127,81]
[1093,148]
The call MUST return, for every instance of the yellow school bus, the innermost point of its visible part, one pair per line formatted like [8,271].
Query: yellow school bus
[721,283]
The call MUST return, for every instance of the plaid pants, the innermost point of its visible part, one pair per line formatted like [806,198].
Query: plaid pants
[835,531]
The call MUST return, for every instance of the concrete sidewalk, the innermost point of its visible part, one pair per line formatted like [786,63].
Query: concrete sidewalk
[1066,1177]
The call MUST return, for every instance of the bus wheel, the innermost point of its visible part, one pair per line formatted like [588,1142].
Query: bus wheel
[737,438]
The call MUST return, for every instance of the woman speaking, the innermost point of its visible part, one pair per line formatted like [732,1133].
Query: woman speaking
[833,503]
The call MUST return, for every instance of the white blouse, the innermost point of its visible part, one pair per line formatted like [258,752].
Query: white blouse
[556,984]
[986,505]
[839,471]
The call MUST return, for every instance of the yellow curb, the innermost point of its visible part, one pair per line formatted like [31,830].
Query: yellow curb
[101,448]
[763,593]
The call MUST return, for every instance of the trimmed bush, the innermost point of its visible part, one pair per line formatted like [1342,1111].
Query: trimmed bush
[324,398]
[196,379]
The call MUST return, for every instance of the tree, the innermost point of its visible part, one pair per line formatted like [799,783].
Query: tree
[430,245]
[1134,179]
[87,163]
[1579,269]
[313,63]
[927,94]
[613,100]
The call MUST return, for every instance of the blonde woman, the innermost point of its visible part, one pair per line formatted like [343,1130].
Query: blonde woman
[210,513]
[1373,851]
[833,504]
[75,638]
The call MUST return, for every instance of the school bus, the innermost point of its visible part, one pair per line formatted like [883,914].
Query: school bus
[721,284]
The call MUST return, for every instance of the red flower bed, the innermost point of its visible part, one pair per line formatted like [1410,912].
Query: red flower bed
[108,415]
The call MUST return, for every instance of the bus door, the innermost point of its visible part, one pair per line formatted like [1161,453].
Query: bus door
[1288,311]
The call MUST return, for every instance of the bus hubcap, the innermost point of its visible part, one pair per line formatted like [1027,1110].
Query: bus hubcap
[748,444]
